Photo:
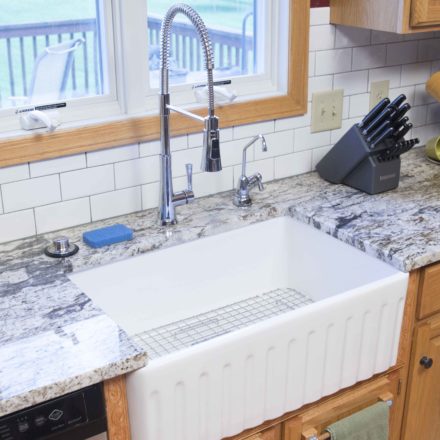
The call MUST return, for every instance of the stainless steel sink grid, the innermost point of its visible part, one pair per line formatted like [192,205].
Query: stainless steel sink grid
[191,331]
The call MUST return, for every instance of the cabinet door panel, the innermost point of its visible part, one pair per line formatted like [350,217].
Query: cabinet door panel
[430,292]
[425,12]
[423,405]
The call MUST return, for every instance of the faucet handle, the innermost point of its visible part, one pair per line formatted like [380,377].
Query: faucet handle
[189,175]
[260,182]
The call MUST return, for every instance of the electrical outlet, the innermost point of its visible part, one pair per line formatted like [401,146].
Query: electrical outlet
[379,91]
[327,110]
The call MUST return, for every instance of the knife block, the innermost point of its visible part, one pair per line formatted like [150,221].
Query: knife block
[352,162]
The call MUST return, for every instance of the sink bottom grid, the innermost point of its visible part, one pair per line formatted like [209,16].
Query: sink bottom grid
[196,329]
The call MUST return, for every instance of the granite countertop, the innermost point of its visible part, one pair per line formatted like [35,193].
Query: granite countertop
[54,340]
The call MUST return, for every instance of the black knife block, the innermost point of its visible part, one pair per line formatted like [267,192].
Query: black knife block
[352,162]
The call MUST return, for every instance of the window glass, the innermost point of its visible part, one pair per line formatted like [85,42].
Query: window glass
[231,25]
[51,50]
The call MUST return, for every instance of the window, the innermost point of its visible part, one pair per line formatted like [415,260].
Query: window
[52,51]
[244,36]
[111,86]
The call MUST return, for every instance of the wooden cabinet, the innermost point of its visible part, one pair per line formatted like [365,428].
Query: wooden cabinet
[422,408]
[423,404]
[400,16]
[425,12]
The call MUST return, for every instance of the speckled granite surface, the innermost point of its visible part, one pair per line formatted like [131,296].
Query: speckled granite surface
[53,340]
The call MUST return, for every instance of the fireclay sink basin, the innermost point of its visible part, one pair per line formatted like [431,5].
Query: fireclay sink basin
[244,326]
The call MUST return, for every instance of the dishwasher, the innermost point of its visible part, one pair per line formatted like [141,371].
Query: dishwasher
[76,416]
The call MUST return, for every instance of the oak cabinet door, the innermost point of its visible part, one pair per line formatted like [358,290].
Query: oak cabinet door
[423,404]
[425,12]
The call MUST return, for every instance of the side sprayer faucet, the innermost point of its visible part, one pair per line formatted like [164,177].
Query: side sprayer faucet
[211,136]
[245,184]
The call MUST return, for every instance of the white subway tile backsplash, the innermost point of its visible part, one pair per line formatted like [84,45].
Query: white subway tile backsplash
[112,155]
[421,97]
[429,50]
[359,105]
[392,74]
[318,154]
[17,225]
[59,165]
[137,172]
[179,143]
[433,113]
[249,130]
[149,148]
[319,84]
[352,82]
[116,203]
[413,74]
[322,37]
[277,143]
[319,16]
[369,57]
[81,183]
[62,215]
[333,61]
[402,53]
[293,164]
[30,193]
[14,173]
[150,195]
[209,183]
[380,37]
[126,179]
[305,139]
[350,37]
[181,158]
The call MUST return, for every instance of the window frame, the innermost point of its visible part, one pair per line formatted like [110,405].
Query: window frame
[84,108]
[128,129]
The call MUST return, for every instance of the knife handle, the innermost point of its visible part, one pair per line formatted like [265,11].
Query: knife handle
[378,121]
[401,111]
[398,101]
[398,124]
[376,133]
[404,131]
[374,112]
[385,135]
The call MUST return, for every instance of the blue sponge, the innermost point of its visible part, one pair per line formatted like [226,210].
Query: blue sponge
[106,236]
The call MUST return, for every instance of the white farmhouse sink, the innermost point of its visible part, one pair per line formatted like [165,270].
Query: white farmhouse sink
[346,329]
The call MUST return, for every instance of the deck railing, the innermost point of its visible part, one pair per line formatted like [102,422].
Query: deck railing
[21,44]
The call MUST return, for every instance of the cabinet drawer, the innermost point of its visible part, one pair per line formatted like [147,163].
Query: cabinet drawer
[429,301]
[425,12]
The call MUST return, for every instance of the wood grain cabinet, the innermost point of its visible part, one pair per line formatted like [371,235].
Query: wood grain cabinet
[422,409]
[400,16]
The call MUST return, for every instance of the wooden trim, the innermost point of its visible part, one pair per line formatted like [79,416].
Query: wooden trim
[131,130]
[404,354]
[115,395]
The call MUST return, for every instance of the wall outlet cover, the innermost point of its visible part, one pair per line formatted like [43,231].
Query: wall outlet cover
[327,110]
[379,91]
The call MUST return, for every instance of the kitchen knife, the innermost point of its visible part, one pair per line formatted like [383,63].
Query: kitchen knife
[398,101]
[384,135]
[374,112]
[398,124]
[379,120]
[401,111]
[403,131]
[376,133]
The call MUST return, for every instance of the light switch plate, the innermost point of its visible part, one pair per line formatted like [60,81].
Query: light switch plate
[379,91]
[327,110]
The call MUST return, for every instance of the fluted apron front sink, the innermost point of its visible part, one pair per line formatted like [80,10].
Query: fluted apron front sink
[247,325]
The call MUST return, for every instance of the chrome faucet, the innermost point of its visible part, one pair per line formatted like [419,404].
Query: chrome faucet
[245,184]
[211,136]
